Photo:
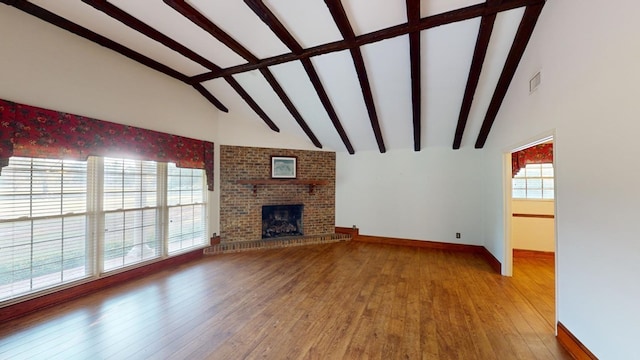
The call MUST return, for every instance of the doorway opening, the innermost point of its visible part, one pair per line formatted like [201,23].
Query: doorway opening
[530,223]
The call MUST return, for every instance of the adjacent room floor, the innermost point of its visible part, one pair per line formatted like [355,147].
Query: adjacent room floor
[344,300]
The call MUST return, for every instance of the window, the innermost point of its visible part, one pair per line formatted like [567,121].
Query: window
[185,189]
[534,181]
[43,215]
[63,220]
[131,212]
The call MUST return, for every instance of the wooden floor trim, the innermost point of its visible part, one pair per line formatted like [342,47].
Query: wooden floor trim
[521,253]
[493,262]
[31,305]
[419,243]
[573,345]
[353,231]
[486,254]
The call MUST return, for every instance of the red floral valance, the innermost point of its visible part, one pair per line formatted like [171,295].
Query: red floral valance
[34,132]
[539,154]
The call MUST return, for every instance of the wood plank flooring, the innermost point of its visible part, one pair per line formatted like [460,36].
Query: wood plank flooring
[344,300]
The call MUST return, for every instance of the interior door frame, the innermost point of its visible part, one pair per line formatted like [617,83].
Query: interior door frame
[507,268]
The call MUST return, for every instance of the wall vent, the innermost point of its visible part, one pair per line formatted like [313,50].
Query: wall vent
[534,82]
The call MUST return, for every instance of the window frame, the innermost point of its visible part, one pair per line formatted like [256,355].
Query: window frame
[25,171]
[542,178]
[180,204]
[95,215]
[129,211]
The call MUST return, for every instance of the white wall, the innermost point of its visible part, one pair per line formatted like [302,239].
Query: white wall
[427,195]
[234,129]
[530,233]
[589,58]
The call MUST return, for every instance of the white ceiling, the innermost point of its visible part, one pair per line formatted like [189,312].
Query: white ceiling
[446,54]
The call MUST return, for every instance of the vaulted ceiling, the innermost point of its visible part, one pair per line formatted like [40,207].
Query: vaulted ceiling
[348,75]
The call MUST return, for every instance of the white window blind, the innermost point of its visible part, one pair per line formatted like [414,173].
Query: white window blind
[42,224]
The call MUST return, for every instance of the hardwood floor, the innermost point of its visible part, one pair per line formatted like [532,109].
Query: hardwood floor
[537,275]
[333,301]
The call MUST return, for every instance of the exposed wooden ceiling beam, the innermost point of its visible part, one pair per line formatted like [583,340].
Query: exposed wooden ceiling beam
[186,10]
[132,22]
[413,18]
[289,105]
[365,86]
[265,14]
[525,29]
[249,100]
[207,25]
[274,60]
[428,22]
[482,43]
[351,42]
[326,102]
[269,18]
[342,21]
[212,99]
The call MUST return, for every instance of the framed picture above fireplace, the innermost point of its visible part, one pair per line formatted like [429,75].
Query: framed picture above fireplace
[283,167]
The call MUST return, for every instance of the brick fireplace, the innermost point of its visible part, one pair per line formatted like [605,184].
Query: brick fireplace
[241,204]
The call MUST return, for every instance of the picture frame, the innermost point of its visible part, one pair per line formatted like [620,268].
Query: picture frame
[284,167]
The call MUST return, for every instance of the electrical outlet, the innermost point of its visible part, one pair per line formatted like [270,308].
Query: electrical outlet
[457,235]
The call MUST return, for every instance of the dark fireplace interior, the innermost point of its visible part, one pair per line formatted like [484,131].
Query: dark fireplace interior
[281,220]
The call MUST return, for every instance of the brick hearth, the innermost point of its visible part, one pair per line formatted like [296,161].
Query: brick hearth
[239,246]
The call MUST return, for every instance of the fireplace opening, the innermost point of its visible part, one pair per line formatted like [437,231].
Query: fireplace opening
[281,220]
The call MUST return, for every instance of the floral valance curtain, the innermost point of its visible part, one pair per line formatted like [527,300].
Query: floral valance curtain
[539,154]
[34,132]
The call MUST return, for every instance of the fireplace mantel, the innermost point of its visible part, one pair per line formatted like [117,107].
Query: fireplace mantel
[255,182]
